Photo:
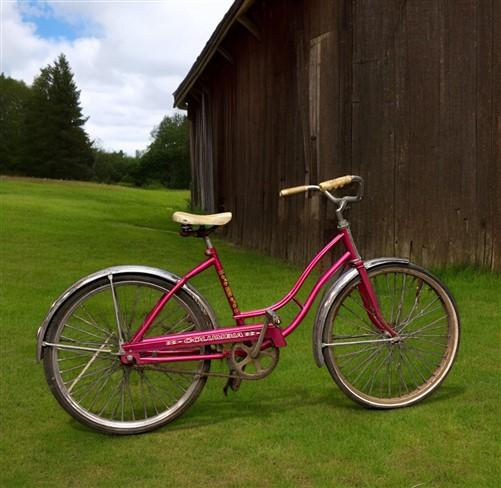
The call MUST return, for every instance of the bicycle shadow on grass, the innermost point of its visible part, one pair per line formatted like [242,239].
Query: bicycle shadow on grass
[214,411]
[253,405]
[444,393]
[239,405]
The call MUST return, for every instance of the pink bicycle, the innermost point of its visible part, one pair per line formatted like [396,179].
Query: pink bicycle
[129,348]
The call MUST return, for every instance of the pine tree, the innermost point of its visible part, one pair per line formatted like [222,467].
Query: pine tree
[57,146]
[38,131]
[14,95]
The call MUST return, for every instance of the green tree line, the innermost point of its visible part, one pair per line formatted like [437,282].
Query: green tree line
[42,134]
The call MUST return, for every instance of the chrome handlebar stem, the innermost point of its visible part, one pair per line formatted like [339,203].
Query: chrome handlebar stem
[342,202]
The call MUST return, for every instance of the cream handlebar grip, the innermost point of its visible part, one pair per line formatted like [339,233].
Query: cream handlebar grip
[335,183]
[292,191]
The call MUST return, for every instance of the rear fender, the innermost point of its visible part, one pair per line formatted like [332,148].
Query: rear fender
[116,271]
[332,293]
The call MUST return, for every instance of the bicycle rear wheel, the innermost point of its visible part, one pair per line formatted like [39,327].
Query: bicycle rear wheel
[375,371]
[89,380]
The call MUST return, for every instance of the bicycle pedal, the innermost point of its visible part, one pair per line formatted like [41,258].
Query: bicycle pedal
[233,383]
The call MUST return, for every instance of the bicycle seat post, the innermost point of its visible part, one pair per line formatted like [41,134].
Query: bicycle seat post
[208,243]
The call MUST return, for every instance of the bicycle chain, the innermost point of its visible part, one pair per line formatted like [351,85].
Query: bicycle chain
[191,373]
[217,375]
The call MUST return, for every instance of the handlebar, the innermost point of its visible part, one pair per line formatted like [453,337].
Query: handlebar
[293,190]
[329,185]
[336,183]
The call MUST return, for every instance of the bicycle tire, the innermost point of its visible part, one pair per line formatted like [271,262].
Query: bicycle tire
[118,398]
[424,313]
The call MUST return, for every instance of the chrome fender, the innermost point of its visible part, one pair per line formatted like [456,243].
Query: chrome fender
[331,294]
[119,270]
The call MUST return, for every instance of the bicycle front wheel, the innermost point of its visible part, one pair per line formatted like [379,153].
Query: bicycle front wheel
[83,367]
[375,371]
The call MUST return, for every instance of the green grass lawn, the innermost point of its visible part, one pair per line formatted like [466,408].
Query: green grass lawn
[294,428]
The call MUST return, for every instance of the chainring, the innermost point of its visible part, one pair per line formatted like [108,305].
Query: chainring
[249,368]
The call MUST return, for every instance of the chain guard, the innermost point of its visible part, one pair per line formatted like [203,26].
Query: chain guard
[249,368]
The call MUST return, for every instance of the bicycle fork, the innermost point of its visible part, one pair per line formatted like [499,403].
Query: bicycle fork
[370,301]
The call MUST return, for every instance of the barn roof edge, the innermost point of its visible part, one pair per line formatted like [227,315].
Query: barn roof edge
[237,8]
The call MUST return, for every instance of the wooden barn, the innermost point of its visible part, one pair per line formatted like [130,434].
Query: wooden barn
[406,93]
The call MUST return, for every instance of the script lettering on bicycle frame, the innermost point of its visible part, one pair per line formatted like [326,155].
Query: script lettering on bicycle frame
[212,337]
[228,292]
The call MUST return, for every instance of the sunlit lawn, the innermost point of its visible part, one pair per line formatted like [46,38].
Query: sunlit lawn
[294,428]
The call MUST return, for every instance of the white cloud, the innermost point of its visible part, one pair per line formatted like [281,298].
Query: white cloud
[127,65]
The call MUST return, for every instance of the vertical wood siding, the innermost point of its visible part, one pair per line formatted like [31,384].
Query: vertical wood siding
[406,93]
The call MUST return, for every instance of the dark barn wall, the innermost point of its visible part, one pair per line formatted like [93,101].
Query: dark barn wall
[404,93]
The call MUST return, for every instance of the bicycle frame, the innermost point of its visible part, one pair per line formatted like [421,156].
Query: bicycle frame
[180,346]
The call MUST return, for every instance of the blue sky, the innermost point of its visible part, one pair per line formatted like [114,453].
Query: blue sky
[50,25]
[127,56]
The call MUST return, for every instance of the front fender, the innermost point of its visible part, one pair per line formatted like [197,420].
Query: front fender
[118,270]
[331,294]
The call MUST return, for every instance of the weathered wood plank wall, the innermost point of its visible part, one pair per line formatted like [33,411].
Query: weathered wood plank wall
[405,93]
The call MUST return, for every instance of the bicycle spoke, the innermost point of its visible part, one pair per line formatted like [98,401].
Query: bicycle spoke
[81,342]
[369,327]
[172,328]
[429,341]
[154,387]
[402,297]
[416,369]
[100,389]
[422,313]
[373,376]
[443,336]
[364,369]
[130,396]
[174,382]
[99,329]
[152,396]
[90,387]
[423,362]
[416,300]
[141,383]
[91,317]
[404,383]
[410,374]
[80,353]
[389,371]
[134,309]
[86,386]
[427,326]
[354,357]
[84,331]
[356,353]
[365,361]
[393,297]
[117,311]
[89,364]
[86,375]
[112,396]
[122,397]
[78,366]
[425,351]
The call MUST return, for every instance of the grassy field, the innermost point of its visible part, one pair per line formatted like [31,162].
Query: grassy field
[294,428]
